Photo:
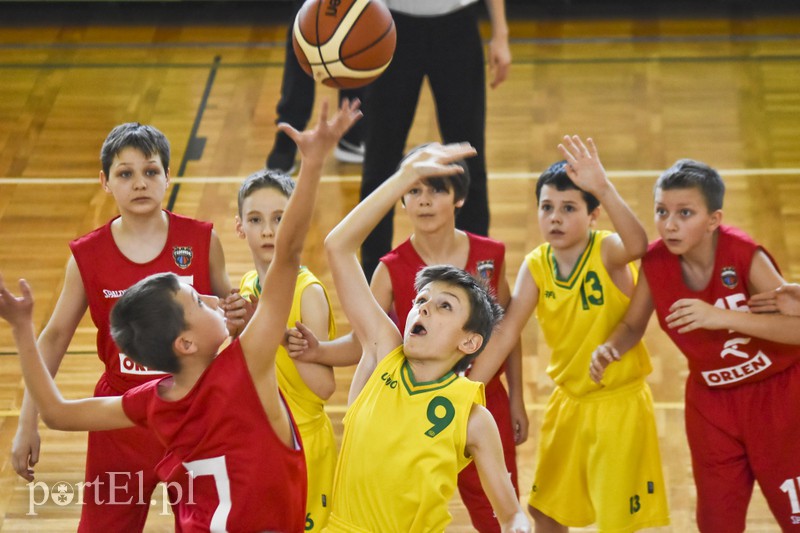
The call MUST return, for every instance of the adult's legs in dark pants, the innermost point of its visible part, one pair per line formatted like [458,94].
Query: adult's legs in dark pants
[391,102]
[458,83]
[296,104]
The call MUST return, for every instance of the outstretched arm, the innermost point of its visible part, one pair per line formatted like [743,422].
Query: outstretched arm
[506,334]
[375,330]
[262,336]
[90,414]
[586,171]
[484,446]
[785,300]
[689,314]
[303,345]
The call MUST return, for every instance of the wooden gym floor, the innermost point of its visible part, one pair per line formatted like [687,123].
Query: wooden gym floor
[722,89]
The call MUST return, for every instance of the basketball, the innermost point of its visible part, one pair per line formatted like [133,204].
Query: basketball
[344,43]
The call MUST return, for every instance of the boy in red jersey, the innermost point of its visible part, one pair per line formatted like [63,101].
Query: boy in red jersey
[432,206]
[743,390]
[143,240]
[215,413]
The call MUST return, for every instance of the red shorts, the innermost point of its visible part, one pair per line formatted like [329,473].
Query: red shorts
[120,476]
[741,435]
[469,484]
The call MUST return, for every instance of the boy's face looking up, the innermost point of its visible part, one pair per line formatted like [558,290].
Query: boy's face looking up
[262,211]
[435,324]
[682,218]
[205,320]
[431,204]
[564,217]
[138,183]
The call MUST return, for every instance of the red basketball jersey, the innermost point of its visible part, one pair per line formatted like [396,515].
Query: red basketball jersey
[107,273]
[232,470]
[717,358]
[485,261]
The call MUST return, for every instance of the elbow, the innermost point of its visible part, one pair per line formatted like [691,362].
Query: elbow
[331,244]
[640,249]
[52,419]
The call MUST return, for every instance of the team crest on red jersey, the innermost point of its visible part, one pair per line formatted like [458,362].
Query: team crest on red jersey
[485,269]
[729,277]
[182,256]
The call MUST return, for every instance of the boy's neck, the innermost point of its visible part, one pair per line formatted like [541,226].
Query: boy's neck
[697,264]
[566,258]
[141,238]
[425,371]
[183,381]
[446,246]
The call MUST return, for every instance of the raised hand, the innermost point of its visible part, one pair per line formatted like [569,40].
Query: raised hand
[16,310]
[315,143]
[435,160]
[583,164]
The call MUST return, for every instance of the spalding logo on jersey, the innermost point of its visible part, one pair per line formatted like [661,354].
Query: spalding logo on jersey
[182,255]
[729,277]
[486,269]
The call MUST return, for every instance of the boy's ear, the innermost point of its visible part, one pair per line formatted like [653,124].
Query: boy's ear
[594,215]
[184,345]
[714,220]
[104,181]
[459,204]
[471,343]
[238,228]
[166,174]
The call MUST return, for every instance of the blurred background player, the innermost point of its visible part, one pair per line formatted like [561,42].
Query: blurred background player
[439,41]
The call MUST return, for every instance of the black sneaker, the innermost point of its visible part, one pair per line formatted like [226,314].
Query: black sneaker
[347,152]
[282,156]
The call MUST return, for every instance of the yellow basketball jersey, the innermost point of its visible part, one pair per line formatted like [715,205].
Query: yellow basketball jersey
[402,448]
[577,313]
[316,430]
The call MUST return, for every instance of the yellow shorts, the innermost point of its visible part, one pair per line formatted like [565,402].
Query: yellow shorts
[598,461]
[320,451]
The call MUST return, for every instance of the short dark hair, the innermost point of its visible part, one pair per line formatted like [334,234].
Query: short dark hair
[459,183]
[484,312]
[557,177]
[688,174]
[147,319]
[265,179]
[146,139]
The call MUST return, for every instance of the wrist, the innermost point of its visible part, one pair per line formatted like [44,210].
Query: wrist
[500,32]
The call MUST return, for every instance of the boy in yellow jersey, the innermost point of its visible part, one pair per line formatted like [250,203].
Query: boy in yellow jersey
[598,457]
[262,200]
[413,423]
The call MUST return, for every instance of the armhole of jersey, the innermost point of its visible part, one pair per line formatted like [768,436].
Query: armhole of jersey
[295,439]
